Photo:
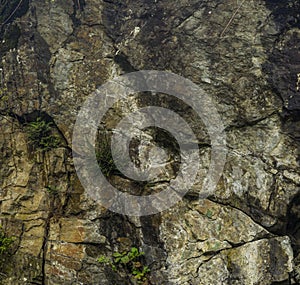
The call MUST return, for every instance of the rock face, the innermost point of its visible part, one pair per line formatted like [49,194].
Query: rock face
[244,54]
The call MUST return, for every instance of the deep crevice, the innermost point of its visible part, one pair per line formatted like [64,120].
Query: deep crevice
[282,68]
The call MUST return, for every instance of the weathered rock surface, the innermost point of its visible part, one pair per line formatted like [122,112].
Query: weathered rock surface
[244,54]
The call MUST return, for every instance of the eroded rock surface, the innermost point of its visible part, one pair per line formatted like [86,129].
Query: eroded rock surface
[244,54]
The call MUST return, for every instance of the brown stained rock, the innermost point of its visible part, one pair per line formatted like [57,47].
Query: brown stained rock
[68,250]
[74,230]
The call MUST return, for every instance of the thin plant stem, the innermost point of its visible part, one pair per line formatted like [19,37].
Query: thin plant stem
[14,11]
[232,18]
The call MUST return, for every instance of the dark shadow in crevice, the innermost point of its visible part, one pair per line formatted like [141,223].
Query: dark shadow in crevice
[10,10]
[293,223]
[282,66]
[79,4]
[286,282]
[283,71]
[122,60]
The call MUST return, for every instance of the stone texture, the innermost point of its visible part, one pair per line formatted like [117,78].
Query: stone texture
[259,262]
[195,236]
[243,54]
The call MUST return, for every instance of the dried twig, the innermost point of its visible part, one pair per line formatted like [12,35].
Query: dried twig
[231,19]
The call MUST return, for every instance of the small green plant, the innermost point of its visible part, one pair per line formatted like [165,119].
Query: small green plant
[126,257]
[5,241]
[128,261]
[141,274]
[40,135]
[104,157]
[107,261]
[51,189]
